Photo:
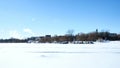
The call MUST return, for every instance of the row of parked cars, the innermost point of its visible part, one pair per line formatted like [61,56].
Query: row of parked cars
[66,42]
[83,42]
[77,42]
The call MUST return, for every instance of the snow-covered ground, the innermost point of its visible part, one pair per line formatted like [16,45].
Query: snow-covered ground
[23,55]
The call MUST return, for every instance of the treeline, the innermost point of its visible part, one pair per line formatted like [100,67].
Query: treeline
[13,40]
[92,36]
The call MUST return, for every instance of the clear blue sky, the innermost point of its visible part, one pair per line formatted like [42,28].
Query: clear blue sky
[23,18]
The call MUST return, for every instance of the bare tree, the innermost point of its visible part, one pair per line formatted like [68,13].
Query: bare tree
[70,36]
[70,32]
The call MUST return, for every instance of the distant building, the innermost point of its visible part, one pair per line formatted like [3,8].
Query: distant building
[48,36]
[100,40]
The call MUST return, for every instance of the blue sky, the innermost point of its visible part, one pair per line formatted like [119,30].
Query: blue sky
[24,18]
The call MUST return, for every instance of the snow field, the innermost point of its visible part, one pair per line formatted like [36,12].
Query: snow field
[23,55]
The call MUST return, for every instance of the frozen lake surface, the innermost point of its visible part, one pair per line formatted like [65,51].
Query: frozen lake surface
[23,55]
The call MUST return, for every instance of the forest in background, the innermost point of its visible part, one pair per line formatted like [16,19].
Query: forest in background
[69,37]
